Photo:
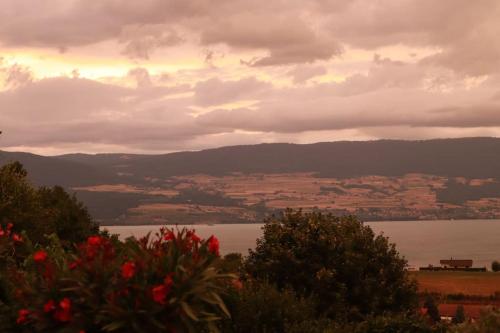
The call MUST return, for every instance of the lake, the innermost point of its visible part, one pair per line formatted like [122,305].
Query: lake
[420,242]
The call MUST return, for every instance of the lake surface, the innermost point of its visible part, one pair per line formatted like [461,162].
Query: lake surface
[421,242]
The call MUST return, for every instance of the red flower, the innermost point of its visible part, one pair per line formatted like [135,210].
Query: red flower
[237,284]
[40,256]
[128,270]
[2,233]
[63,312]
[10,226]
[213,245]
[16,238]
[94,240]
[195,238]
[49,306]
[169,236]
[22,316]
[160,293]
[74,264]
[168,281]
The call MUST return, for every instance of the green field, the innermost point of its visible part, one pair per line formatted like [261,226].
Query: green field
[467,283]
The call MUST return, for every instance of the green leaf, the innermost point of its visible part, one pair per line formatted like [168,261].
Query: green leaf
[187,309]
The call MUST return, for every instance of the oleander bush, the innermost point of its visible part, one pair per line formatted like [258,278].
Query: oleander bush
[165,283]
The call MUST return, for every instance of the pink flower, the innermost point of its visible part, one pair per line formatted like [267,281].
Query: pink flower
[49,306]
[74,264]
[168,281]
[237,284]
[16,238]
[22,316]
[40,256]
[213,245]
[195,238]
[94,240]
[63,312]
[128,270]
[169,236]
[160,293]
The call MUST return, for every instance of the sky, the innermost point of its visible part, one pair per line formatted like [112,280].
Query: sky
[156,76]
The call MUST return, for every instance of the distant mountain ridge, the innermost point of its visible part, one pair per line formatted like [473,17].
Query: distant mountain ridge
[50,171]
[466,157]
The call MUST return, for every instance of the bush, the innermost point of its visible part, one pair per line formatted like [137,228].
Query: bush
[402,323]
[432,309]
[41,211]
[459,315]
[339,261]
[163,284]
[495,266]
[489,322]
[259,307]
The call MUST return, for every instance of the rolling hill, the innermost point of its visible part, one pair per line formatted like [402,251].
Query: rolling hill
[386,179]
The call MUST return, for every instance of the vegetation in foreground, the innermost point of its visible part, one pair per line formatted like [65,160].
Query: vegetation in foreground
[309,273]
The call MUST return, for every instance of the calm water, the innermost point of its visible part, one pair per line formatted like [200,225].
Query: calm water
[421,242]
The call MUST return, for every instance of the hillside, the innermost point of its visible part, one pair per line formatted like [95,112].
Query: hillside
[387,179]
[51,171]
[471,157]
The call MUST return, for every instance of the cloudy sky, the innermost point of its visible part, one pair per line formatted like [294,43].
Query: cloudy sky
[157,76]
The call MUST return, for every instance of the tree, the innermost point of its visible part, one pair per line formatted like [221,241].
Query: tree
[459,315]
[495,266]
[489,322]
[338,260]
[432,309]
[41,211]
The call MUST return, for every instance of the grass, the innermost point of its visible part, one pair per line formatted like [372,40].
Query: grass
[467,283]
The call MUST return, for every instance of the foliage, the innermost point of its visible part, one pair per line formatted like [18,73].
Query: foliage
[339,261]
[495,266]
[459,315]
[231,263]
[41,211]
[489,322]
[166,283]
[432,309]
[259,307]
[402,323]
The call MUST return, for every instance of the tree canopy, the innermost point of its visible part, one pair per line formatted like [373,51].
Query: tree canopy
[339,260]
[41,211]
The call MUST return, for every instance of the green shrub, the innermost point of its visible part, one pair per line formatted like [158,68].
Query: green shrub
[166,283]
[339,261]
[259,307]
[41,211]
[402,323]
[459,315]
[432,309]
[495,266]
[489,322]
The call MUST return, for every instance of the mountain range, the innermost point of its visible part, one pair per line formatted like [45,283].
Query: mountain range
[451,159]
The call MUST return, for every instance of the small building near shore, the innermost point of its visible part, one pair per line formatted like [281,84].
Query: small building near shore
[456,263]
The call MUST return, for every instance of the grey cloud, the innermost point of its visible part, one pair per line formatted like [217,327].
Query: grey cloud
[216,92]
[301,73]
[15,75]
[390,107]
[141,76]
[464,32]
[72,111]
